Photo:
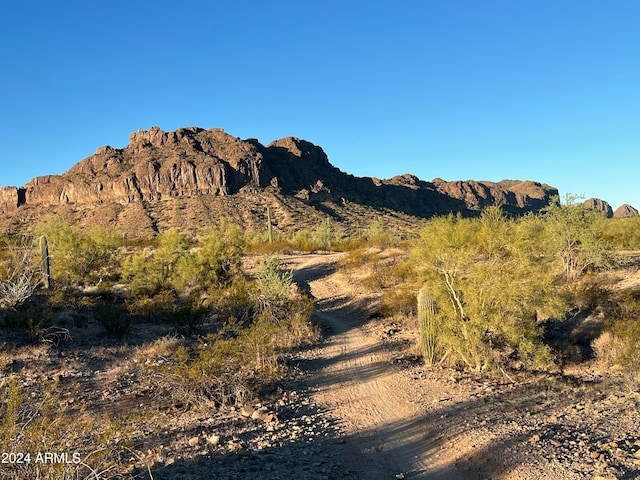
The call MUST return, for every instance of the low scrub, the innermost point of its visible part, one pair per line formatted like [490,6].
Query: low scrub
[41,440]
[227,367]
[619,344]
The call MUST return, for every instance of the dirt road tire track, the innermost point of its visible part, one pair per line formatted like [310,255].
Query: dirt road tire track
[352,376]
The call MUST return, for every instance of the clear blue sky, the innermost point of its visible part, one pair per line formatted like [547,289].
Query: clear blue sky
[545,90]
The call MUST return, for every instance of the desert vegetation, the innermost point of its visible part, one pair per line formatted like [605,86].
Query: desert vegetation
[489,292]
[218,331]
[202,328]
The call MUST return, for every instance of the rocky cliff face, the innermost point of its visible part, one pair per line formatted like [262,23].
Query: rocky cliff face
[599,205]
[625,211]
[189,161]
[193,162]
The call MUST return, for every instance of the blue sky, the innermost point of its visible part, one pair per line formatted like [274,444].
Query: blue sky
[485,90]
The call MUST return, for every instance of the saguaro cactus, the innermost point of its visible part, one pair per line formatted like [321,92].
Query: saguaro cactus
[427,321]
[44,256]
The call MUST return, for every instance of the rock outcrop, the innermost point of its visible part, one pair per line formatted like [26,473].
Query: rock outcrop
[189,161]
[625,211]
[599,205]
[196,163]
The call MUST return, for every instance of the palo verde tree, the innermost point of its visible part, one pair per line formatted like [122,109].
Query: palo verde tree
[78,257]
[150,271]
[574,235]
[489,277]
[184,265]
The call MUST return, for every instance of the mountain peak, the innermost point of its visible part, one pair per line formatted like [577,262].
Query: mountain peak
[200,167]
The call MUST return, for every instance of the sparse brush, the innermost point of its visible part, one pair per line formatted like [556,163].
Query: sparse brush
[619,344]
[113,317]
[20,274]
[226,367]
[401,301]
[33,423]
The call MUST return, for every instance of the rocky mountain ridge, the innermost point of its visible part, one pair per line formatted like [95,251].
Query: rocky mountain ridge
[194,165]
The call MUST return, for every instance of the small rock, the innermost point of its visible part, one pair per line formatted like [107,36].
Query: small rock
[213,440]
[194,441]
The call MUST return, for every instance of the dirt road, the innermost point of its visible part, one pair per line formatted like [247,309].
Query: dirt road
[352,376]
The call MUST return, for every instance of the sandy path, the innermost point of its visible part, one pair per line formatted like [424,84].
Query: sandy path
[351,375]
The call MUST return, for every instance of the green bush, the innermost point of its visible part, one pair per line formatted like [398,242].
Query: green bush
[113,317]
[274,284]
[184,265]
[489,277]
[78,258]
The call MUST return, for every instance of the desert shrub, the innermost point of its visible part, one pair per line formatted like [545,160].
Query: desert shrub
[588,292]
[33,422]
[187,315]
[174,264]
[215,260]
[79,258]
[488,278]
[608,348]
[235,300]
[228,366]
[20,272]
[572,232]
[388,272]
[32,318]
[376,234]
[303,241]
[279,245]
[152,307]
[620,233]
[324,235]
[150,270]
[274,284]
[619,344]
[400,301]
[113,317]
[355,258]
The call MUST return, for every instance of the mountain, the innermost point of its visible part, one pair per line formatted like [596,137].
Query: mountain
[624,211]
[189,177]
[599,205]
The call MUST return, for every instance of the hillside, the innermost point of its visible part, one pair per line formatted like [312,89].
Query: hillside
[190,176]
